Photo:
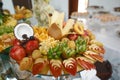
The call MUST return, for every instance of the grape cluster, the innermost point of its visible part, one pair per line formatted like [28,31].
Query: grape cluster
[26,39]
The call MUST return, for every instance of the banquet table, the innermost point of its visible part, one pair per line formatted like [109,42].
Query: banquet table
[107,33]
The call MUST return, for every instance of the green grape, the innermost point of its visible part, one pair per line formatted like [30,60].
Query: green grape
[6,29]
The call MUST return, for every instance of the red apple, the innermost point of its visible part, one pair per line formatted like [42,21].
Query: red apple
[17,53]
[72,36]
[15,42]
[31,46]
[55,67]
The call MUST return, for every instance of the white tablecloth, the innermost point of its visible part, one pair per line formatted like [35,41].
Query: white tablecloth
[108,36]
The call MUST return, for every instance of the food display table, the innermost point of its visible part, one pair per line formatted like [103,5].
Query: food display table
[112,46]
[108,33]
[9,71]
[54,50]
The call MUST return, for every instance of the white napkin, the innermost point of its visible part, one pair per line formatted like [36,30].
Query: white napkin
[89,75]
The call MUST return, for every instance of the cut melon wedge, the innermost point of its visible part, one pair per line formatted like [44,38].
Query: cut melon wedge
[23,29]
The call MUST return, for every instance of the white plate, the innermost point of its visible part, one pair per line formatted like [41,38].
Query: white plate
[22,29]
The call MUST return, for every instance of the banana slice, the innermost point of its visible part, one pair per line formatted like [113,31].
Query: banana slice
[79,28]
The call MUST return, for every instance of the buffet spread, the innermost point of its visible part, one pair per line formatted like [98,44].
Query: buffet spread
[57,49]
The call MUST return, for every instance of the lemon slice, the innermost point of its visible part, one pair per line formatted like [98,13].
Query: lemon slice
[23,29]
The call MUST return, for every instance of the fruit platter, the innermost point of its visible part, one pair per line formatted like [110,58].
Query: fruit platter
[7,23]
[59,49]
[63,47]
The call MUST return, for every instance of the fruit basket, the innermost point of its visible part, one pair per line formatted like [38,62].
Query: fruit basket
[60,49]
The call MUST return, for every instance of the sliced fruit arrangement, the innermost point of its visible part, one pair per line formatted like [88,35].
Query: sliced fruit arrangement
[85,62]
[6,40]
[22,12]
[7,24]
[76,49]
[6,19]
